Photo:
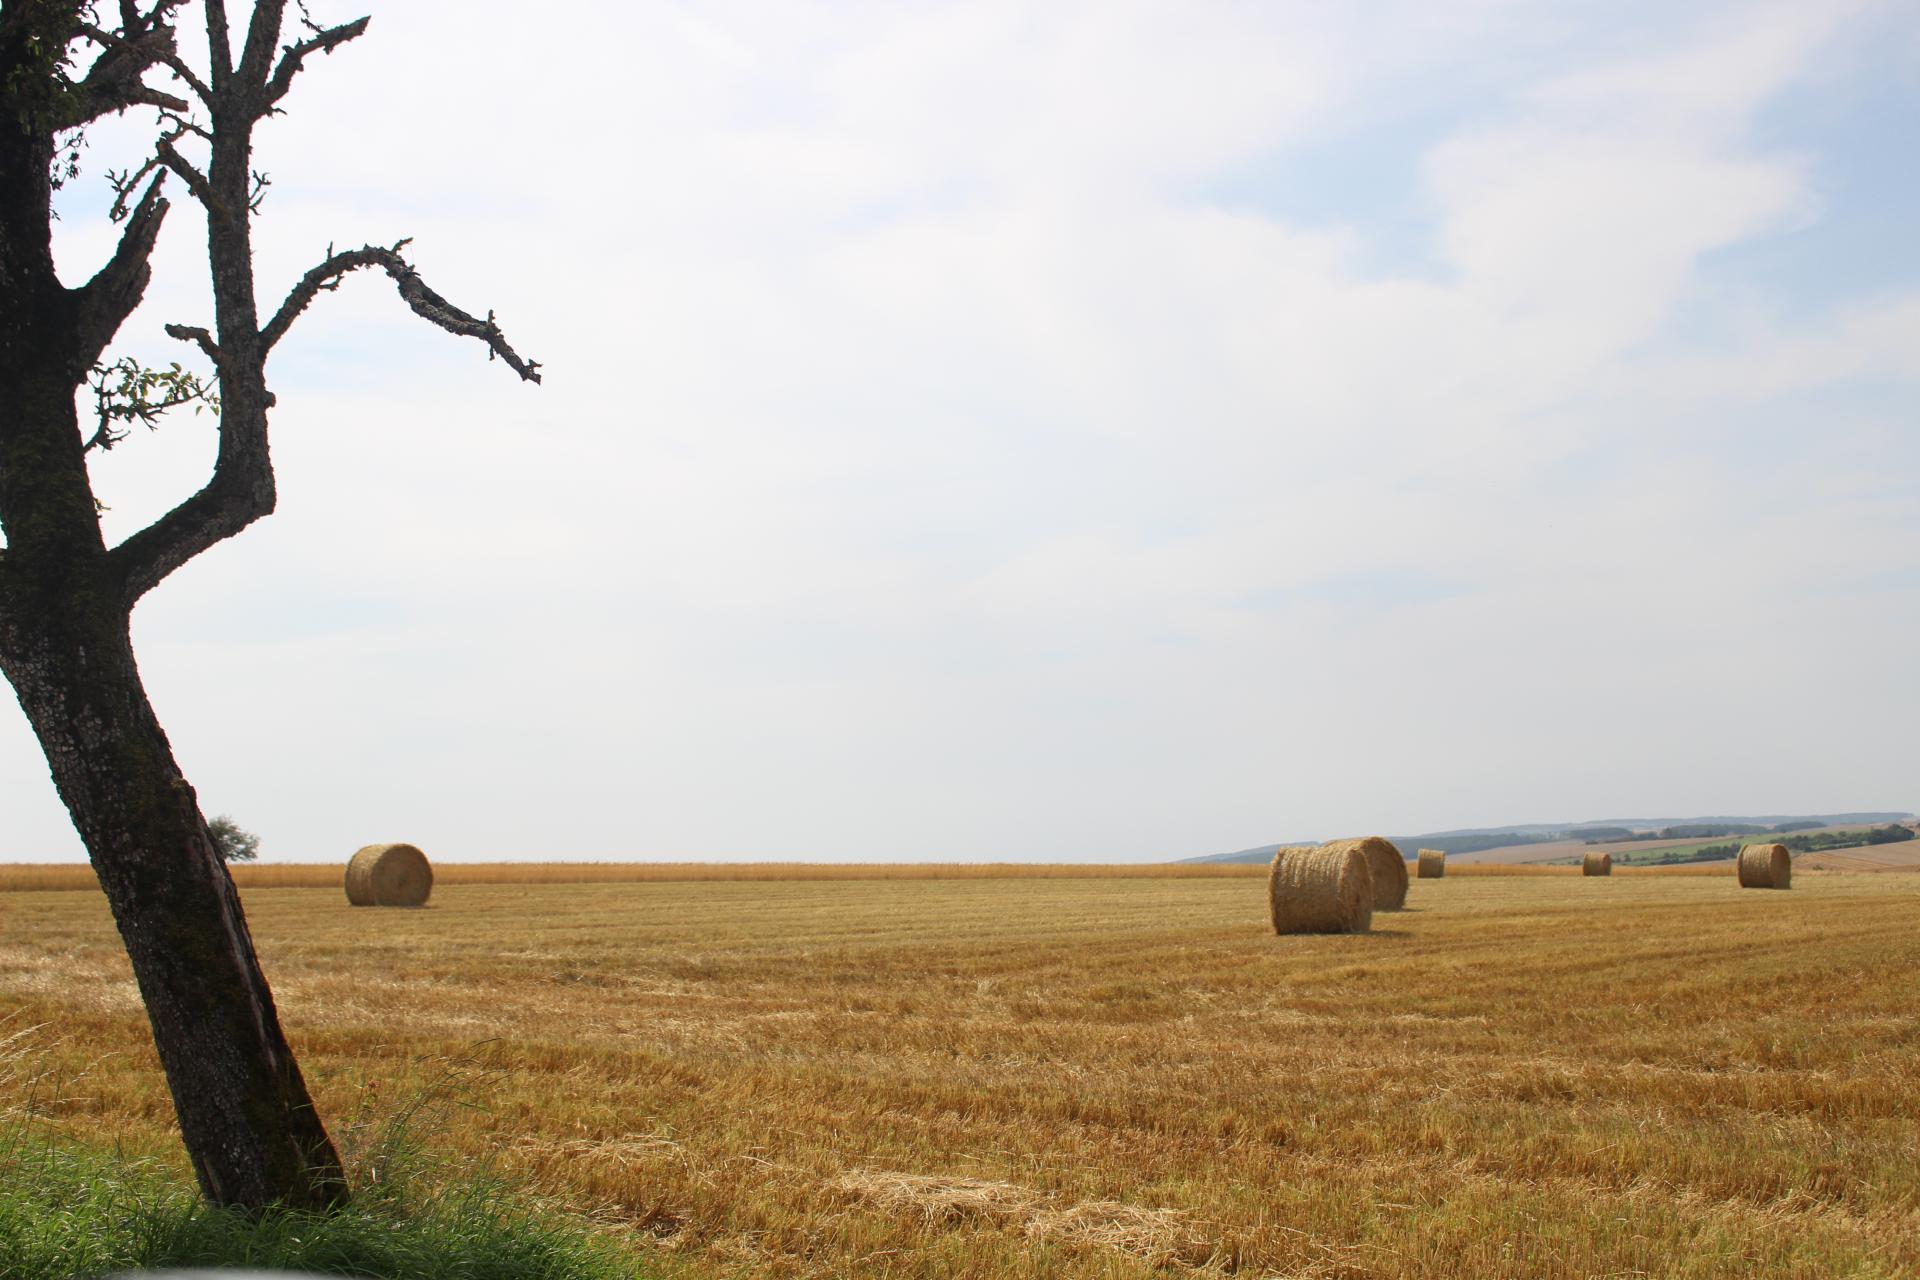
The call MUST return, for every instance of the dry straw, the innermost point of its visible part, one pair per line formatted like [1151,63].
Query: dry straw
[1388,868]
[1323,890]
[1765,866]
[389,875]
[1596,863]
[1433,864]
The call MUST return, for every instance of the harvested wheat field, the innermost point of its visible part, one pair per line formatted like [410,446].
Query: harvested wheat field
[1098,1076]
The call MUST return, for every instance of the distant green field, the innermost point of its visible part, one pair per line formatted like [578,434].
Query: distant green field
[1652,854]
[1671,852]
[1682,850]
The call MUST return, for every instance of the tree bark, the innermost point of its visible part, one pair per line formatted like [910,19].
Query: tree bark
[65,607]
[65,646]
[245,1116]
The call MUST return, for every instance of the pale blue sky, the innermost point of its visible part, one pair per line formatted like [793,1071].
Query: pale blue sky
[1106,431]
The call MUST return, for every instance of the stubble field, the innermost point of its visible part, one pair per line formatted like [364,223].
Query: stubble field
[1520,1076]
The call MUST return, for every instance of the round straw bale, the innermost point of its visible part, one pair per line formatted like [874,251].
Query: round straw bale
[1323,890]
[1433,864]
[389,875]
[1765,866]
[1596,863]
[1388,868]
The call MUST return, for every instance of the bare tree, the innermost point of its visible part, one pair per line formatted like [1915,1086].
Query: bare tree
[66,596]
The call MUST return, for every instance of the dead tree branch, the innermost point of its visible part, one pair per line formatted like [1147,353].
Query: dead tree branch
[196,181]
[200,338]
[116,289]
[294,55]
[219,44]
[142,41]
[424,301]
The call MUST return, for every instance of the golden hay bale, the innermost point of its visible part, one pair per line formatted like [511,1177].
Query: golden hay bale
[389,875]
[1596,863]
[1433,864]
[1323,890]
[1388,868]
[1765,866]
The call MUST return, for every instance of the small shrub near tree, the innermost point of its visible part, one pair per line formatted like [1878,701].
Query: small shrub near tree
[233,842]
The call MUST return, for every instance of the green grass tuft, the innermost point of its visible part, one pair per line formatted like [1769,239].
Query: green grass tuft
[68,1213]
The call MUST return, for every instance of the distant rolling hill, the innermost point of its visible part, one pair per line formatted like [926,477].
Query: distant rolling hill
[1479,839]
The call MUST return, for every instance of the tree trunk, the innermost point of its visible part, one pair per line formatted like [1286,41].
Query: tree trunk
[66,600]
[245,1115]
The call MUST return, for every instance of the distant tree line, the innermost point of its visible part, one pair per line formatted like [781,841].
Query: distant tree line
[1692,831]
[1892,833]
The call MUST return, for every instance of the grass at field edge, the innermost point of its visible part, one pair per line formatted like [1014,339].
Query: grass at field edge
[72,1213]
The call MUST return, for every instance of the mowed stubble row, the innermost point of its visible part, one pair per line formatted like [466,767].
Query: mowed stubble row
[1530,1076]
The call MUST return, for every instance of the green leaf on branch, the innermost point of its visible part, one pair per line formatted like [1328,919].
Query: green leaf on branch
[126,392]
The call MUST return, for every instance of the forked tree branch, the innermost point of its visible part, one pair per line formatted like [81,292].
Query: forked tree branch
[140,41]
[241,488]
[424,301]
[240,492]
[126,182]
[116,289]
[113,82]
[294,55]
[196,181]
[256,54]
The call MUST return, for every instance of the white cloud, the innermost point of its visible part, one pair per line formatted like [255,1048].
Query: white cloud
[927,467]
